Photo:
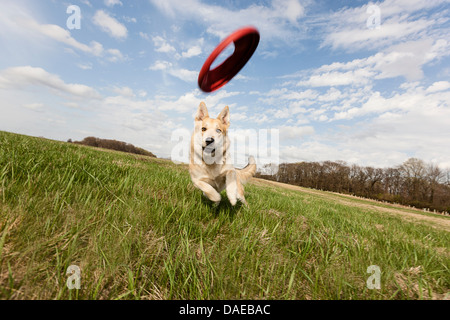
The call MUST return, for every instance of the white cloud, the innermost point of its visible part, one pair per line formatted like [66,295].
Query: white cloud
[34,106]
[402,60]
[135,121]
[359,38]
[124,91]
[242,77]
[110,25]
[184,74]
[392,7]
[180,73]
[144,35]
[85,66]
[189,102]
[400,21]
[160,65]
[21,77]
[292,132]
[290,9]
[318,150]
[114,55]
[419,127]
[192,52]
[260,119]
[439,86]
[238,116]
[142,93]
[72,105]
[62,35]
[276,21]
[296,98]
[18,21]
[86,2]
[280,113]
[440,49]
[129,19]
[162,45]
[357,77]
[385,128]
[405,59]
[112,3]
[416,98]
[332,94]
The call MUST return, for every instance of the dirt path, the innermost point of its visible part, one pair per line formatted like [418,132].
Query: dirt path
[440,222]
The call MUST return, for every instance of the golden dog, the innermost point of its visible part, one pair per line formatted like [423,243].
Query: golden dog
[210,166]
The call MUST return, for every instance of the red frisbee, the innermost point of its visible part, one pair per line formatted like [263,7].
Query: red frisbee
[245,42]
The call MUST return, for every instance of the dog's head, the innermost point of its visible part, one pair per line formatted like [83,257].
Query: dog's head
[213,131]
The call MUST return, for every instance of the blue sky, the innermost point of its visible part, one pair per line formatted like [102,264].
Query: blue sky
[334,82]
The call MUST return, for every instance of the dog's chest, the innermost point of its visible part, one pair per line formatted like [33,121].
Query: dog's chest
[217,175]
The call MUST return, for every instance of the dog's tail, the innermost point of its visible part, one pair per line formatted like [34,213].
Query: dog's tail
[249,171]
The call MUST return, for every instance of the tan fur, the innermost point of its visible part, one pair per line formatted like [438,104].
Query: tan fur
[213,177]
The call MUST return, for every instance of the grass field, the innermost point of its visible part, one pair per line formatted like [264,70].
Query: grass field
[138,229]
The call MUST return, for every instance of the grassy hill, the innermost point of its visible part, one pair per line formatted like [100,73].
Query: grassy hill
[138,229]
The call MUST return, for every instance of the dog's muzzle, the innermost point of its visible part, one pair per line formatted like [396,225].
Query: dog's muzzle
[209,148]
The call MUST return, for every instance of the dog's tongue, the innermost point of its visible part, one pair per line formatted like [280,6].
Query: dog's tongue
[209,149]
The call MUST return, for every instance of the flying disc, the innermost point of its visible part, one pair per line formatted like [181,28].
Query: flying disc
[245,42]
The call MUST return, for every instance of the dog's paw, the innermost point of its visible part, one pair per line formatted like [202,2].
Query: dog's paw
[215,198]
[243,201]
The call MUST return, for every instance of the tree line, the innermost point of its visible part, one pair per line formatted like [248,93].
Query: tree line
[113,144]
[414,183]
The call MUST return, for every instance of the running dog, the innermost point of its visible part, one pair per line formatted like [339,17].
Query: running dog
[210,166]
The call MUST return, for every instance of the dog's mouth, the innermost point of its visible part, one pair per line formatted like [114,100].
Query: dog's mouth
[210,149]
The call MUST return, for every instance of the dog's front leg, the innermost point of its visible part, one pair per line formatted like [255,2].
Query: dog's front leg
[209,191]
[240,192]
[231,186]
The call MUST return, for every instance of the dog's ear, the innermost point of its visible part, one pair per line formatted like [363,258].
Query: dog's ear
[224,116]
[202,112]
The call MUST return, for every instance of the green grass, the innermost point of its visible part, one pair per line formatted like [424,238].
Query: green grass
[138,229]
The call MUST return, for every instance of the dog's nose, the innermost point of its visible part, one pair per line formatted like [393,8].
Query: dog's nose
[209,141]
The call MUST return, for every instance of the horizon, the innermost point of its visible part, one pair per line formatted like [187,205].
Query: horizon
[366,82]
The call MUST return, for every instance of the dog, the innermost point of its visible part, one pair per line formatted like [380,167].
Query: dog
[210,164]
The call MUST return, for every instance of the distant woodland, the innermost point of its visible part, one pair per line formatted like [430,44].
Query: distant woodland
[114,145]
[414,183]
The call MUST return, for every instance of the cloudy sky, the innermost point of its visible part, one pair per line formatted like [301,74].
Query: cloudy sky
[367,83]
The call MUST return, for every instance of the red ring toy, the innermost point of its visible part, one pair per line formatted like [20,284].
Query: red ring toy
[245,42]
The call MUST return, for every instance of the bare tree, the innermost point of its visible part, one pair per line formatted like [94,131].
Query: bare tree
[434,175]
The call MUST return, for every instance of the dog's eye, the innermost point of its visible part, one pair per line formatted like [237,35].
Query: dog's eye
[203,129]
[218,131]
